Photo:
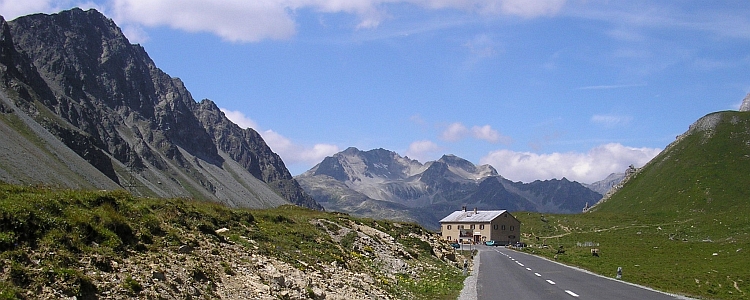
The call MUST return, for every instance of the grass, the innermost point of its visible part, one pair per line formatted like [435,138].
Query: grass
[681,225]
[36,222]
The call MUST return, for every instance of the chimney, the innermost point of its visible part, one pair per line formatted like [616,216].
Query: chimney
[475,210]
[464,208]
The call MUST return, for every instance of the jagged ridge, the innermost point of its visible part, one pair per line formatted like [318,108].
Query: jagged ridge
[76,75]
[391,186]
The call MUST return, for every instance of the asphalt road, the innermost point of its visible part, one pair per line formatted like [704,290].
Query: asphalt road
[507,274]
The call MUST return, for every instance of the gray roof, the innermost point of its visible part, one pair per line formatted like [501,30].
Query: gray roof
[470,216]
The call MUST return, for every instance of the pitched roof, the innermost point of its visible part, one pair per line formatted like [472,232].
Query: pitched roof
[470,216]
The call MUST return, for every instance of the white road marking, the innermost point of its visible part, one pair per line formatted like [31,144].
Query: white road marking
[571,293]
[550,282]
[538,275]
[520,264]
[528,269]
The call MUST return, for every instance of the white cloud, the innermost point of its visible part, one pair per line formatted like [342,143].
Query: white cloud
[251,21]
[293,153]
[289,151]
[588,167]
[239,118]
[455,132]
[11,9]
[488,134]
[422,150]
[255,20]
[234,20]
[458,131]
[611,120]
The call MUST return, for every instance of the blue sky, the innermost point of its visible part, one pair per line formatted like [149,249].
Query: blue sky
[539,89]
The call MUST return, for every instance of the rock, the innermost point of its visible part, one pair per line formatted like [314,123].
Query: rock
[159,275]
[185,249]
[221,230]
[319,293]
[745,103]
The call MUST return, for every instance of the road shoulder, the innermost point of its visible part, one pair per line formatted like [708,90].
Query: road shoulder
[469,292]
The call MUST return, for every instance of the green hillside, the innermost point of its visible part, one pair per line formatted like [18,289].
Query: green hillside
[681,224]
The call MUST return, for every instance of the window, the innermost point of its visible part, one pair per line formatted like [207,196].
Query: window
[460,227]
[471,226]
[495,227]
[449,238]
[449,228]
[512,228]
[502,227]
[484,239]
[481,227]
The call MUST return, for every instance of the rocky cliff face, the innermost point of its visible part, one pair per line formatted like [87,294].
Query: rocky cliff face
[76,75]
[603,186]
[745,103]
[381,184]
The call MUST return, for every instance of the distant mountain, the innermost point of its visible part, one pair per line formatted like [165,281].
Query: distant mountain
[603,186]
[81,107]
[382,184]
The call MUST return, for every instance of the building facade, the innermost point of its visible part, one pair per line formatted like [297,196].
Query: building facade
[479,226]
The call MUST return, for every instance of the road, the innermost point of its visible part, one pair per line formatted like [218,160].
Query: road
[507,274]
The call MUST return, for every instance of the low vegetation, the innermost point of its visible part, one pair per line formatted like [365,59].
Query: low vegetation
[65,241]
[681,224]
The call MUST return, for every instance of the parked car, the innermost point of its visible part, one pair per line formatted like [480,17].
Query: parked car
[456,245]
[491,243]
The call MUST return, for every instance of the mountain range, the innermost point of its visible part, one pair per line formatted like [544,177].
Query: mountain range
[82,107]
[380,183]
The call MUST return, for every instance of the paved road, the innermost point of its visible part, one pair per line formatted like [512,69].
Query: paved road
[507,274]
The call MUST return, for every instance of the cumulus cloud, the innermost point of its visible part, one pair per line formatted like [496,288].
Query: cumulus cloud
[251,21]
[293,153]
[454,132]
[239,118]
[290,152]
[10,9]
[488,134]
[458,131]
[237,21]
[588,167]
[422,150]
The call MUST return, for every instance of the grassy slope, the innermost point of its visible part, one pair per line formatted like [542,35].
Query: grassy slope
[111,226]
[681,225]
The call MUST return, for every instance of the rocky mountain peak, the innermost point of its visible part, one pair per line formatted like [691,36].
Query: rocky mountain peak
[745,103]
[380,183]
[106,100]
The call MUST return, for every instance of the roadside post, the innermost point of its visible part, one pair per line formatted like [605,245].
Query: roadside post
[619,273]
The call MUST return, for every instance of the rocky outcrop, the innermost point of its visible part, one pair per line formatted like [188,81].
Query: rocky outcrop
[745,106]
[207,268]
[381,184]
[603,186]
[76,75]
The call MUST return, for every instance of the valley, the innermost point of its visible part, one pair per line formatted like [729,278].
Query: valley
[116,183]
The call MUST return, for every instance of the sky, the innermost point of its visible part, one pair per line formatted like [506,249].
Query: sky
[539,89]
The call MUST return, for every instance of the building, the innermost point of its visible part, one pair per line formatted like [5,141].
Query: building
[478,226]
